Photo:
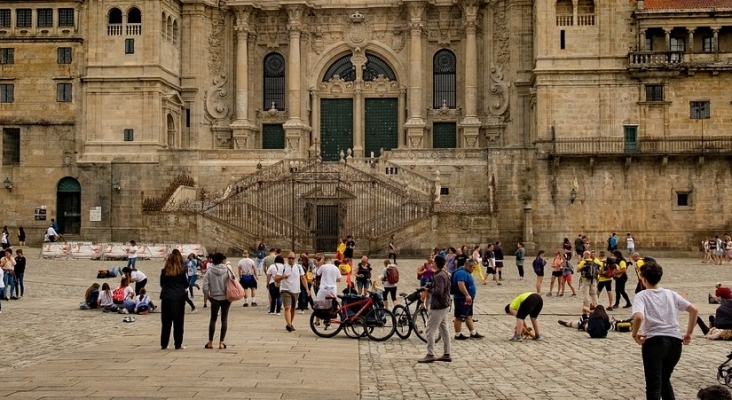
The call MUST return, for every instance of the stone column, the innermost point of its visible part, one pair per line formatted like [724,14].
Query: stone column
[471,124]
[642,40]
[667,31]
[294,127]
[415,124]
[715,42]
[359,140]
[528,229]
[690,43]
[402,115]
[243,129]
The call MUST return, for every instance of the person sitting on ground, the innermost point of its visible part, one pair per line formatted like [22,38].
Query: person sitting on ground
[716,392]
[143,304]
[595,322]
[721,321]
[104,301]
[721,293]
[123,295]
[92,295]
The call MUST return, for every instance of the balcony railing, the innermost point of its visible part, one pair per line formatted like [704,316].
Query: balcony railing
[655,58]
[114,29]
[678,145]
[564,20]
[134,29]
[585,19]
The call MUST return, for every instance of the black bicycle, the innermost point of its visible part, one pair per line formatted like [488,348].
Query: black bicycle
[406,321]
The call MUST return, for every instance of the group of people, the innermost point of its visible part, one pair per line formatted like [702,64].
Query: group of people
[12,272]
[717,250]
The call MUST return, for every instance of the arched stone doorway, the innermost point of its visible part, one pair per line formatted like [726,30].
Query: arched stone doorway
[68,206]
[359,101]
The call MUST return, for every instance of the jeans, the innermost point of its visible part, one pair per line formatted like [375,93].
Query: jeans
[520,270]
[131,262]
[223,305]
[173,313]
[192,283]
[660,355]
[260,265]
[437,319]
[10,286]
[303,300]
[19,284]
[589,292]
[274,293]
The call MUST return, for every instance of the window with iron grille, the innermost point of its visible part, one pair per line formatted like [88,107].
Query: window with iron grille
[341,67]
[63,55]
[11,146]
[7,56]
[444,69]
[129,135]
[699,110]
[63,92]
[649,43]
[24,18]
[65,17]
[129,46]
[654,92]
[5,18]
[375,66]
[45,17]
[274,82]
[7,93]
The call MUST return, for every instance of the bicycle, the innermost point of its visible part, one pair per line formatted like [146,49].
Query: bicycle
[406,322]
[371,319]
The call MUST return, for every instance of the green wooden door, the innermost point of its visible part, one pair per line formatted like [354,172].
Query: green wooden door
[631,139]
[336,127]
[68,206]
[273,136]
[444,135]
[382,126]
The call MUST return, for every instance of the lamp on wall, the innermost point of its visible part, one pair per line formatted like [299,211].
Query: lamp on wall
[8,184]
[115,185]
[573,195]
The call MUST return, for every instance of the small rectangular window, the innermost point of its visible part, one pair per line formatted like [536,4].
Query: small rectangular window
[188,117]
[682,199]
[649,43]
[65,17]
[708,44]
[699,110]
[63,92]
[44,17]
[444,191]
[129,46]
[24,18]
[11,146]
[5,20]
[129,135]
[654,92]
[64,55]
[7,56]
[562,41]
[7,93]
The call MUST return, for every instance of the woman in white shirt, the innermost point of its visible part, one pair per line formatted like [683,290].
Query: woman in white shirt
[105,298]
[136,276]
[275,301]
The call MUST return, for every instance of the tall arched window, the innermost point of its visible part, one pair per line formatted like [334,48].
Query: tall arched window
[274,82]
[375,66]
[134,16]
[115,16]
[341,67]
[444,68]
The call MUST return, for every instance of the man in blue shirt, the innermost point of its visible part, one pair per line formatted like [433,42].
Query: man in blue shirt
[463,298]
[612,243]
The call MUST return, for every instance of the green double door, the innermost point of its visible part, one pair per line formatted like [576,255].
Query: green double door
[381,130]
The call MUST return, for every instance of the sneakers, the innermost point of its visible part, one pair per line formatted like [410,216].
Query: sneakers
[476,335]
[270,313]
[429,358]
[549,295]
[609,308]
[279,313]
[444,358]
[517,338]
[537,337]
[627,306]
[461,337]
[300,312]
[246,305]
[193,311]
[254,304]
[563,323]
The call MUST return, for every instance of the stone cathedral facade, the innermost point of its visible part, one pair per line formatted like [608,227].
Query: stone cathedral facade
[296,122]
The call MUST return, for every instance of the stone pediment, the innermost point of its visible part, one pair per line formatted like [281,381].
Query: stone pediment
[328,191]
[174,99]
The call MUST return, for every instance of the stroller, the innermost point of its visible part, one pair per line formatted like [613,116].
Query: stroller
[724,371]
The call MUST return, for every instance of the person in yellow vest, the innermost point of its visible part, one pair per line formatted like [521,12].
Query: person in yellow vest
[638,264]
[527,304]
[340,249]
[589,288]
[605,282]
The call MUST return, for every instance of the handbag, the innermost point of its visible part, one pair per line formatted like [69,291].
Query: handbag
[234,291]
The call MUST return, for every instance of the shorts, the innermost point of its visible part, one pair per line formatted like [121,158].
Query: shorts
[558,274]
[719,252]
[499,264]
[608,285]
[530,307]
[248,282]
[348,253]
[390,291]
[289,299]
[424,282]
[363,283]
[567,277]
[490,270]
[539,273]
[462,310]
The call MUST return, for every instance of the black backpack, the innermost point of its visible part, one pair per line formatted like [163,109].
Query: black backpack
[590,270]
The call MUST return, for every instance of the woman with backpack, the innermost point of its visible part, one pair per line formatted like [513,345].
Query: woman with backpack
[538,265]
[595,322]
[390,278]
[621,277]
[123,293]
[173,285]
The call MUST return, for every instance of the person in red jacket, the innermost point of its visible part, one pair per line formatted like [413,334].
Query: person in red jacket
[722,293]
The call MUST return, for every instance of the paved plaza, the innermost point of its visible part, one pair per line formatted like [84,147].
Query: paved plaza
[51,349]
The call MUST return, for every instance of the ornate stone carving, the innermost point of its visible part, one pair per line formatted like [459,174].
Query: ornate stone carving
[335,86]
[358,59]
[294,17]
[216,43]
[397,39]
[444,113]
[316,40]
[359,32]
[272,115]
[381,86]
[499,92]
[243,15]
[501,50]
[214,99]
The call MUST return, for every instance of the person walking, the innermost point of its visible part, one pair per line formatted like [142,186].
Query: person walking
[247,272]
[173,285]
[214,286]
[621,278]
[656,310]
[192,273]
[498,252]
[527,304]
[21,237]
[463,287]
[7,263]
[19,271]
[579,245]
[520,255]
[589,270]
[391,249]
[291,278]
[567,249]
[538,265]
[439,293]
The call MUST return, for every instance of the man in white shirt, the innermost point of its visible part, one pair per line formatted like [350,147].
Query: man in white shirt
[329,276]
[132,254]
[136,276]
[290,277]
[52,234]
[248,277]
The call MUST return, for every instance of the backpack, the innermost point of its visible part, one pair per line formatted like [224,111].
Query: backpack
[118,295]
[567,268]
[392,275]
[591,270]
[611,265]
[261,254]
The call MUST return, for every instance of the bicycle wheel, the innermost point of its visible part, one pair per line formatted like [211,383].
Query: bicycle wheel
[420,326]
[381,324]
[326,328]
[403,322]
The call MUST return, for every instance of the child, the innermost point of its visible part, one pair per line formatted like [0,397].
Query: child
[105,301]
[91,297]
[595,322]
[143,304]
[132,254]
